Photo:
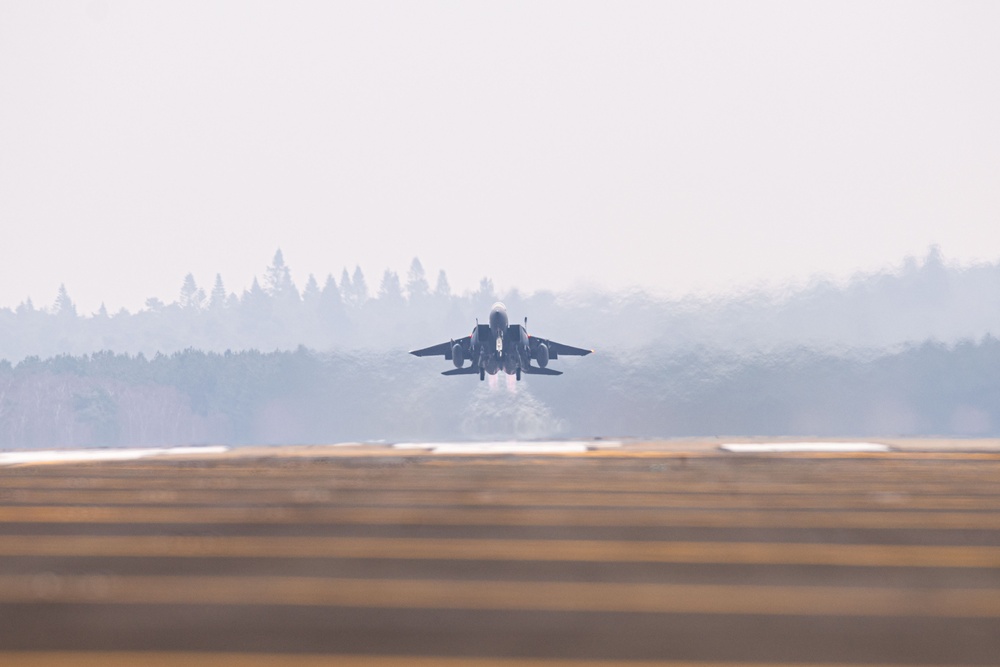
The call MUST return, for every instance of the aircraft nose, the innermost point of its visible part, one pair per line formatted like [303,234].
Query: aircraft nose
[498,319]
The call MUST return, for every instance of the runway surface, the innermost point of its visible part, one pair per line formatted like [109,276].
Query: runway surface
[588,554]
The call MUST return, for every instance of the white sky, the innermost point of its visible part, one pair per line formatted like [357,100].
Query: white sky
[671,146]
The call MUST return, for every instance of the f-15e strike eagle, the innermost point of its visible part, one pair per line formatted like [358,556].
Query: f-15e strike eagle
[499,346]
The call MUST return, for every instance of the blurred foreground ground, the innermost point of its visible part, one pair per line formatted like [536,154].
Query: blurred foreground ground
[645,553]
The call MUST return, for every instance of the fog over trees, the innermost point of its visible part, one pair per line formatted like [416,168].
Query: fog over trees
[901,352]
[922,300]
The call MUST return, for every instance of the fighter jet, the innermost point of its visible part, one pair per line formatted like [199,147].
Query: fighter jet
[500,346]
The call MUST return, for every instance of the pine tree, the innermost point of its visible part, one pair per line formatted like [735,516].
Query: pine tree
[64,305]
[390,291]
[416,283]
[486,288]
[359,288]
[442,289]
[331,303]
[331,293]
[218,299]
[485,295]
[345,283]
[278,279]
[255,297]
[311,292]
[191,296]
[27,306]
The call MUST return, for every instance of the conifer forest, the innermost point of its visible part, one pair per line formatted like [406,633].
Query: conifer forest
[908,351]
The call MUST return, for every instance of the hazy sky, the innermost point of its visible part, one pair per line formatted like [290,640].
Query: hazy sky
[672,146]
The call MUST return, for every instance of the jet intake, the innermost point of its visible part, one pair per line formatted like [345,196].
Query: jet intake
[457,355]
[542,355]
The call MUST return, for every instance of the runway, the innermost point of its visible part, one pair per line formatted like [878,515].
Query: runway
[564,555]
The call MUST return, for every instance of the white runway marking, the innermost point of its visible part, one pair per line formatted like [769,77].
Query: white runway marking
[510,447]
[83,455]
[768,447]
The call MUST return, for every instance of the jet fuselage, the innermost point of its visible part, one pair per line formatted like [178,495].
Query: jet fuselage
[500,346]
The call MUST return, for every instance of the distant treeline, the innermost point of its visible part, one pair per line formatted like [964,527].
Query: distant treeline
[920,300]
[825,359]
[302,396]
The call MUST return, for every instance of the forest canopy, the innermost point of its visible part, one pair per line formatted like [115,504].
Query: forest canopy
[903,352]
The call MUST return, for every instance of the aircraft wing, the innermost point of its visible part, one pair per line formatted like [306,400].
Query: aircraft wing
[442,348]
[557,350]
